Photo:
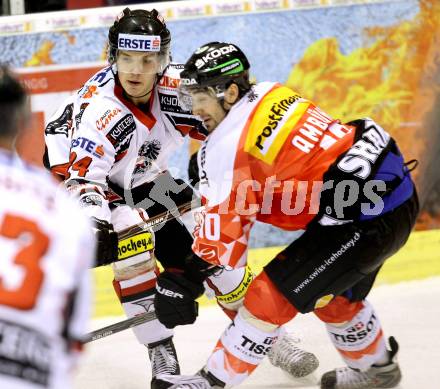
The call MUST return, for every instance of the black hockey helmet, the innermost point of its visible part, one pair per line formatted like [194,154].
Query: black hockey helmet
[139,22]
[215,65]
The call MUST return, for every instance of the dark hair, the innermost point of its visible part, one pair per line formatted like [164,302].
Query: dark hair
[12,101]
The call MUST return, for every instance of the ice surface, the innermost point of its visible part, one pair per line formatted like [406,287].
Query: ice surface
[410,311]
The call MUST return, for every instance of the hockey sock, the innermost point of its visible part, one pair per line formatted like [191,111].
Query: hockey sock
[137,296]
[239,351]
[359,339]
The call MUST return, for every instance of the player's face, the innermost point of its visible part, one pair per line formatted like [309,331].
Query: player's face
[208,108]
[137,73]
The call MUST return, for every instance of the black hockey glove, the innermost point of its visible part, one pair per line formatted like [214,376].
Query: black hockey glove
[175,297]
[106,242]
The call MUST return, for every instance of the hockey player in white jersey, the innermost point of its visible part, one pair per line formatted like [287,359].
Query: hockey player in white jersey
[47,248]
[111,143]
[120,130]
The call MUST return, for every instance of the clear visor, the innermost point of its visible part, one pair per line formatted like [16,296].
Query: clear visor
[141,62]
[191,97]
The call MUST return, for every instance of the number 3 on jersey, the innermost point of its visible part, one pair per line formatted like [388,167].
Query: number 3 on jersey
[24,263]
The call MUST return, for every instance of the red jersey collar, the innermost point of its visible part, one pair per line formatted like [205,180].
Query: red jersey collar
[146,118]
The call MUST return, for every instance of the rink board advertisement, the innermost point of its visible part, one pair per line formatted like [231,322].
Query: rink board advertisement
[417,260]
[48,86]
[379,59]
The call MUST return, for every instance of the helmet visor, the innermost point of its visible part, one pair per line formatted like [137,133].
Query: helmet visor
[141,62]
[191,97]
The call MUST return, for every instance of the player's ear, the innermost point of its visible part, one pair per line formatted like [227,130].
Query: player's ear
[231,94]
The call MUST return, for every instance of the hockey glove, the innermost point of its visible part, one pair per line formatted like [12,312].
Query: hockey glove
[175,297]
[106,242]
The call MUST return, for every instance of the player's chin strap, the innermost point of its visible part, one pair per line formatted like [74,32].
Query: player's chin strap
[222,101]
[139,97]
[146,94]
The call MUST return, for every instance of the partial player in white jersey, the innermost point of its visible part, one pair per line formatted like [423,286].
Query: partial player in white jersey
[47,248]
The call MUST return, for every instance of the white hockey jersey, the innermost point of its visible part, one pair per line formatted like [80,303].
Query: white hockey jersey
[46,249]
[112,140]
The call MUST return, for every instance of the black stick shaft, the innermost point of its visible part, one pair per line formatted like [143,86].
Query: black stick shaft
[126,233]
[119,326]
[158,219]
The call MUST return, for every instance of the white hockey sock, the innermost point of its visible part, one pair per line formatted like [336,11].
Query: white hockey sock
[360,341]
[152,331]
[239,351]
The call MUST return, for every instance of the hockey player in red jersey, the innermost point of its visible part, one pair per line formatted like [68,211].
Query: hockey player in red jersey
[275,157]
[111,143]
[47,248]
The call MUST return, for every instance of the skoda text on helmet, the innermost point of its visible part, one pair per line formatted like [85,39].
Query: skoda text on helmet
[141,31]
[213,68]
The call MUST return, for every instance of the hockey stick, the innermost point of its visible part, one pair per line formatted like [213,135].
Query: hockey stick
[127,233]
[158,219]
[119,326]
